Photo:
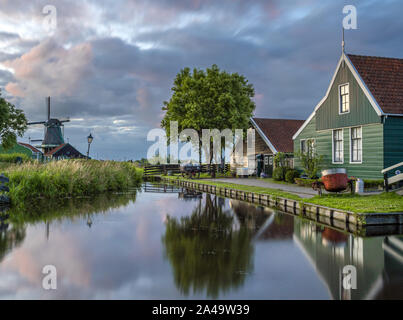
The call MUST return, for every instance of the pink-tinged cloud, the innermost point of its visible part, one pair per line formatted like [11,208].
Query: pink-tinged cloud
[271,9]
[14,89]
[50,69]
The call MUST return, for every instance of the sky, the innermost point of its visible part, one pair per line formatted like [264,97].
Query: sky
[109,65]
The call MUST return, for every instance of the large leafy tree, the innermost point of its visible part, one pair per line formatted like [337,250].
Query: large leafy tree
[210,99]
[12,123]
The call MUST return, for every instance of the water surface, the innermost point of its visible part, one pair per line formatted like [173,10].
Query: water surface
[169,243]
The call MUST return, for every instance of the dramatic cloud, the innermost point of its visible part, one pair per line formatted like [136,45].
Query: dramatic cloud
[110,65]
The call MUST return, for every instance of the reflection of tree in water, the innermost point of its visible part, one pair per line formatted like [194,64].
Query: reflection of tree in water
[69,208]
[10,236]
[206,251]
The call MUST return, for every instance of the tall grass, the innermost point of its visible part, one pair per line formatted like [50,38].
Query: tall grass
[12,157]
[69,178]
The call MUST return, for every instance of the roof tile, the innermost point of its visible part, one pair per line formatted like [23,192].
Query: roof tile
[279,132]
[384,78]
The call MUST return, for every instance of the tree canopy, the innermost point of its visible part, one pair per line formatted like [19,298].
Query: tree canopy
[210,99]
[12,123]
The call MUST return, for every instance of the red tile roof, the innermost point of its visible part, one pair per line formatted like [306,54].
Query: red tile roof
[51,152]
[32,148]
[279,132]
[384,78]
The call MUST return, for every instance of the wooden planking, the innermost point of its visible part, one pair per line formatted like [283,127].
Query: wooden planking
[361,110]
[373,152]
[393,145]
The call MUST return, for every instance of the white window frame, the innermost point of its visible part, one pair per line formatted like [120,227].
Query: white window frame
[349,100]
[333,146]
[306,145]
[351,146]
[300,144]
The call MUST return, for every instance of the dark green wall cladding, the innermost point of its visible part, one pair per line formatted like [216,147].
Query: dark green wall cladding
[393,135]
[372,150]
[361,111]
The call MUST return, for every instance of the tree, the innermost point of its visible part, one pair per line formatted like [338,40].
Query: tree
[210,99]
[12,123]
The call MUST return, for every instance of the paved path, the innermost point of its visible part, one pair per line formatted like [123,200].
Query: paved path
[303,192]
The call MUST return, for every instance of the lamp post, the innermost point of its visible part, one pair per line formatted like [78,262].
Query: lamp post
[89,139]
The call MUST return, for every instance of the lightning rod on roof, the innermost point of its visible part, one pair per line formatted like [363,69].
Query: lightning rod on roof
[343,44]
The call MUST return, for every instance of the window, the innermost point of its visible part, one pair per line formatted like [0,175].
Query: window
[356,145]
[338,155]
[344,98]
[308,145]
[303,146]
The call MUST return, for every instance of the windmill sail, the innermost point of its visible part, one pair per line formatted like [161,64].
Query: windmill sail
[53,130]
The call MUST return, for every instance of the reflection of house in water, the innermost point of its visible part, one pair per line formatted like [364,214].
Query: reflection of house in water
[379,261]
[266,222]
[390,284]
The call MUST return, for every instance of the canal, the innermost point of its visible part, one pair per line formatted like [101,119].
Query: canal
[163,242]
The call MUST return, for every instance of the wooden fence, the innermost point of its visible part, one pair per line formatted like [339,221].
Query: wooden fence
[152,170]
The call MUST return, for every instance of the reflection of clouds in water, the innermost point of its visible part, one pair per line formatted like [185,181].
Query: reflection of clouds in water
[111,260]
[121,257]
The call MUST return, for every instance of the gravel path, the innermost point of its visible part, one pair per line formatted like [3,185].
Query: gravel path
[303,192]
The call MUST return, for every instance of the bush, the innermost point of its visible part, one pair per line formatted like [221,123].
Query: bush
[305,182]
[373,184]
[290,175]
[279,173]
[13,157]
[310,160]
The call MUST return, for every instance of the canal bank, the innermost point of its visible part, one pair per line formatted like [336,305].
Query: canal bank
[368,224]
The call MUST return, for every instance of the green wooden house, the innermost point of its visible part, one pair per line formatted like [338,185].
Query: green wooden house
[358,125]
[24,148]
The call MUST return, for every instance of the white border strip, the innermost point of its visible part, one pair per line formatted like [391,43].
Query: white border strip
[265,139]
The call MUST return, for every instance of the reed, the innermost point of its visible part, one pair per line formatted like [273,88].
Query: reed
[13,157]
[69,178]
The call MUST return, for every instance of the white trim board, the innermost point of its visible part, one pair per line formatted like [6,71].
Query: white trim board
[361,83]
[265,139]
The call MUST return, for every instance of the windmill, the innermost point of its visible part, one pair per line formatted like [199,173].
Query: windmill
[54,131]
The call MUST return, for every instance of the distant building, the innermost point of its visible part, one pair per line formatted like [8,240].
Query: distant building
[24,148]
[64,151]
[53,145]
[272,136]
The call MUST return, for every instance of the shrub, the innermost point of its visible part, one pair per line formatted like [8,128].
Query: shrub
[310,160]
[279,173]
[290,175]
[373,184]
[12,157]
[305,182]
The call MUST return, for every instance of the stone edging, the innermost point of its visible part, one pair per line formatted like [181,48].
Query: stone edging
[346,220]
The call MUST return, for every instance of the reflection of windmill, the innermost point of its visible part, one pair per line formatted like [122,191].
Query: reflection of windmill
[54,131]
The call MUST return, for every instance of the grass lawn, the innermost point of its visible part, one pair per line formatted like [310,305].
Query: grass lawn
[380,203]
[274,192]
